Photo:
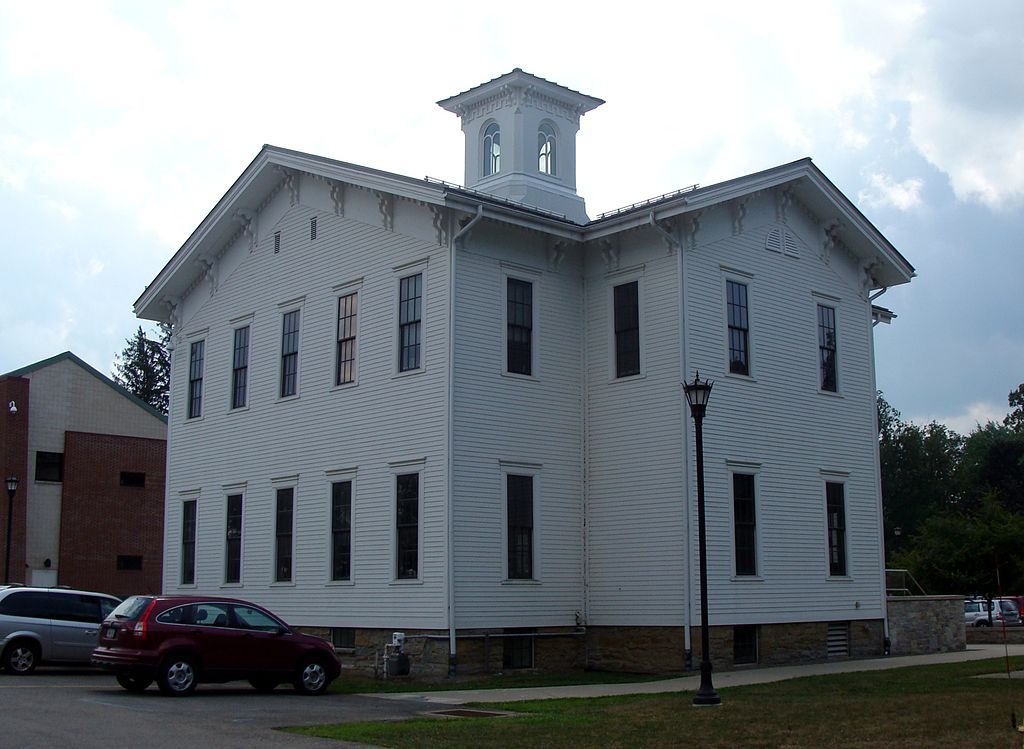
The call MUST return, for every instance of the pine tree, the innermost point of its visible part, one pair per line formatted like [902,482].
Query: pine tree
[143,367]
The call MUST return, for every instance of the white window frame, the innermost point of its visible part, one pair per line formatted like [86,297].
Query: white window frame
[747,279]
[193,495]
[293,305]
[753,469]
[533,470]
[836,477]
[284,482]
[237,324]
[401,468]
[331,478]
[826,300]
[343,290]
[620,278]
[230,490]
[399,272]
[533,277]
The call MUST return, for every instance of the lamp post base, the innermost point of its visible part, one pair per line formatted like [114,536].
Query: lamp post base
[706,695]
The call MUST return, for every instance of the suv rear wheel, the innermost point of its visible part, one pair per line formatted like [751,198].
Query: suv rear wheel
[177,676]
[21,657]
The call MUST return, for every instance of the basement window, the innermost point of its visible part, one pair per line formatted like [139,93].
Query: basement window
[518,648]
[343,638]
[744,644]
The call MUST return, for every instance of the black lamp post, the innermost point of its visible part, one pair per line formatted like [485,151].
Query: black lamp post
[697,394]
[12,487]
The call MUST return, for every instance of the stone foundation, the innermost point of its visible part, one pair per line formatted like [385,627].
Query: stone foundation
[926,624]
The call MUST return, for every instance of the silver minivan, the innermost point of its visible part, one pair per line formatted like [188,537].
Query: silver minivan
[49,625]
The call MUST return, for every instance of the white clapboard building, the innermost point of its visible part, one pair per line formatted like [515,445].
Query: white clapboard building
[456,412]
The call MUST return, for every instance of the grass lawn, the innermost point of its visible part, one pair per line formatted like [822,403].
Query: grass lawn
[925,706]
[359,684]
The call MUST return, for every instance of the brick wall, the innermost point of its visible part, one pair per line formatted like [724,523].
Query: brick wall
[14,462]
[102,520]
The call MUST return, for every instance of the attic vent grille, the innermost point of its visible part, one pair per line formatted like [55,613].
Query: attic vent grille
[312,229]
[837,641]
[277,242]
[782,241]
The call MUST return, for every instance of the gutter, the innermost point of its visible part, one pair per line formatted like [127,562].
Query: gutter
[449,531]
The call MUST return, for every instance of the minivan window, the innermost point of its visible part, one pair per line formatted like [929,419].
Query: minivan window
[72,607]
[132,607]
[28,603]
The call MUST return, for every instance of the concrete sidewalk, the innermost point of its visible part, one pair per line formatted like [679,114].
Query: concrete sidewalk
[690,683]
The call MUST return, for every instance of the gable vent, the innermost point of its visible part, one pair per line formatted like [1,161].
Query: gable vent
[312,229]
[277,242]
[837,641]
[782,241]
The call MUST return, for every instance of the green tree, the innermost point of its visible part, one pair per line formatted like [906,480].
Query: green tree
[993,465]
[1015,419]
[143,367]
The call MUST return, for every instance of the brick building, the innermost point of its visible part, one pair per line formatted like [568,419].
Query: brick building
[90,458]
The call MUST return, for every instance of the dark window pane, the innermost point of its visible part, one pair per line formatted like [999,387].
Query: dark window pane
[233,540]
[188,542]
[827,346]
[341,530]
[519,296]
[290,354]
[519,500]
[133,478]
[129,562]
[739,328]
[195,380]
[836,509]
[744,643]
[49,466]
[283,536]
[240,368]
[745,529]
[346,351]
[407,496]
[409,319]
[518,648]
[627,329]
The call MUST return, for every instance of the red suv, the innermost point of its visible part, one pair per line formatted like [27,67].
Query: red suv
[182,640]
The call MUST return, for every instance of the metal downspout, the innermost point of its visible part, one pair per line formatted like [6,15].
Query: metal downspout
[675,241]
[886,642]
[450,530]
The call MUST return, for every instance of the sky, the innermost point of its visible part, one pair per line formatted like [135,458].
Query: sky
[123,123]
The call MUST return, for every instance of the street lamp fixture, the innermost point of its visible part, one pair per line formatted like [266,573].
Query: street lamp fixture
[697,394]
[12,487]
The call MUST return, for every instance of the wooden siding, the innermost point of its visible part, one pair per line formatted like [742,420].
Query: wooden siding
[531,421]
[382,419]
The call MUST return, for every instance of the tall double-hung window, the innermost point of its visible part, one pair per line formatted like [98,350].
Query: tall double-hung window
[233,540]
[341,530]
[519,326]
[626,303]
[188,542]
[835,507]
[195,379]
[407,526]
[827,347]
[240,368]
[739,327]
[345,357]
[744,523]
[410,322]
[283,534]
[290,353]
[519,524]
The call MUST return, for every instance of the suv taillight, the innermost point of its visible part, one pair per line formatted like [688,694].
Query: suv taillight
[139,630]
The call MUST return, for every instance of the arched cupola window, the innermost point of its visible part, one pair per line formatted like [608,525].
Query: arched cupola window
[492,149]
[546,149]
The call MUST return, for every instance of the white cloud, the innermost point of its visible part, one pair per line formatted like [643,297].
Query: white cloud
[974,415]
[885,191]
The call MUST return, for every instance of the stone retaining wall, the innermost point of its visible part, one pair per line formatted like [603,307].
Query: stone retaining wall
[926,624]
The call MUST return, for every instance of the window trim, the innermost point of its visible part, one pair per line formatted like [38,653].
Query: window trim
[332,478]
[533,470]
[840,480]
[228,495]
[191,498]
[731,276]
[485,160]
[753,471]
[341,292]
[193,399]
[406,270]
[285,311]
[280,486]
[829,304]
[404,468]
[233,389]
[550,139]
[529,277]
[621,279]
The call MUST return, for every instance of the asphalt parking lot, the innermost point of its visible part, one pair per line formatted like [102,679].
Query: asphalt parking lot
[57,708]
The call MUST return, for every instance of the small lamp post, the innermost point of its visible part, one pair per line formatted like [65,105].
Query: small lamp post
[12,487]
[697,394]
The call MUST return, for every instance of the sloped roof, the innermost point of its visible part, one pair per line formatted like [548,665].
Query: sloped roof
[68,356]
